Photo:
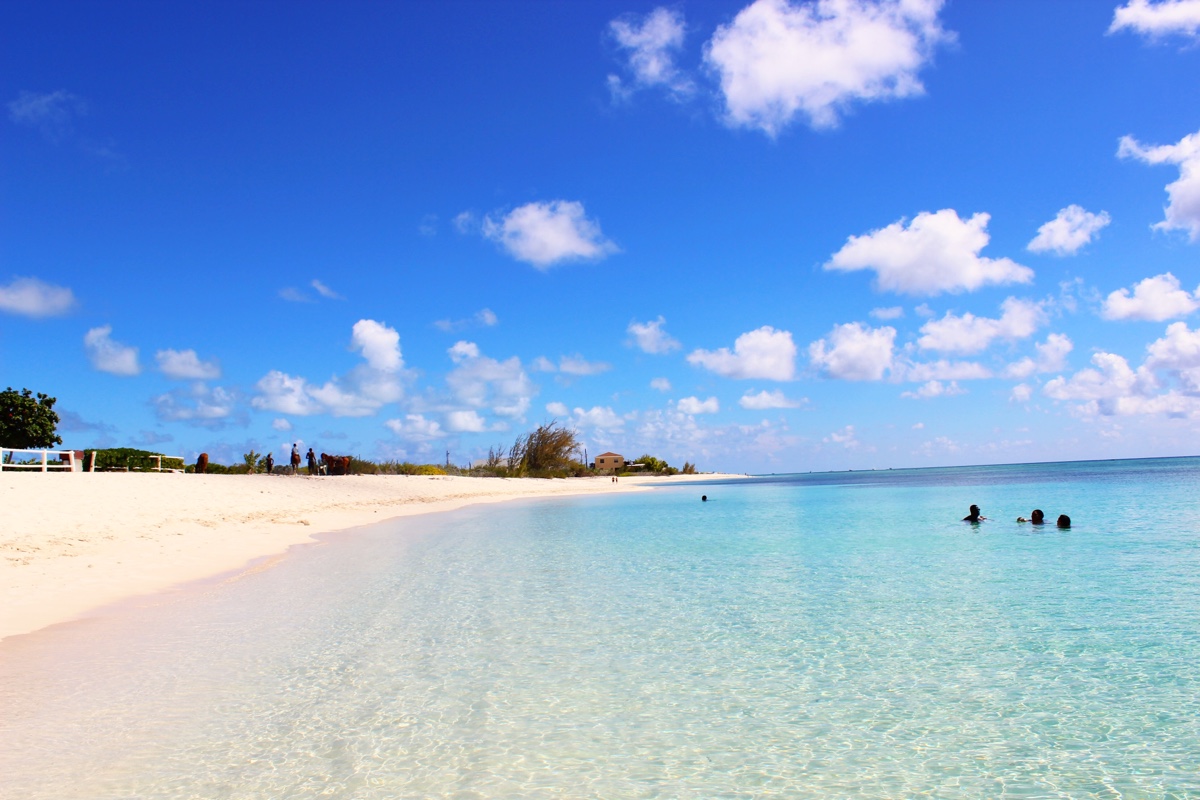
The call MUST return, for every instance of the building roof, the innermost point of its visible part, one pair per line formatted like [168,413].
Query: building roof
[618,455]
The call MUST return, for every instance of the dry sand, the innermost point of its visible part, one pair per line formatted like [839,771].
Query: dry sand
[71,543]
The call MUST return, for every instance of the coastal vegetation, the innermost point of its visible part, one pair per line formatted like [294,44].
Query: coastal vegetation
[27,421]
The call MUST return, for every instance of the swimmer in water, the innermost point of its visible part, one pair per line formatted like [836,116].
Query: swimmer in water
[1064,521]
[1037,517]
[704,498]
[974,516]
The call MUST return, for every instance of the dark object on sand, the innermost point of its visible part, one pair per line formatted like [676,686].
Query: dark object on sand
[202,464]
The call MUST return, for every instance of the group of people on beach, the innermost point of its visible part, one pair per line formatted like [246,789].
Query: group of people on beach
[1036,517]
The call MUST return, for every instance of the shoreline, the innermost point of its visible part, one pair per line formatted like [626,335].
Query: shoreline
[79,542]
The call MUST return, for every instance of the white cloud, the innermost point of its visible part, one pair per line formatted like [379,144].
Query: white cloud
[853,352]
[325,291]
[578,365]
[971,334]
[50,113]
[933,389]
[484,382]
[762,353]
[1051,357]
[465,422]
[361,392]
[199,405]
[1155,299]
[1070,230]
[1183,207]
[651,43]
[1021,393]
[110,356]
[542,364]
[937,252]
[558,409]
[31,297]
[845,437]
[780,59]
[1179,352]
[281,424]
[891,312]
[1157,19]
[766,400]
[1111,381]
[661,384]
[485,317]
[186,365]
[545,234]
[651,338]
[416,428]
[294,295]
[918,426]
[940,370]
[694,405]
[597,418]
[379,345]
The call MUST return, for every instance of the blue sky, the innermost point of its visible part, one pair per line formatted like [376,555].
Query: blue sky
[762,237]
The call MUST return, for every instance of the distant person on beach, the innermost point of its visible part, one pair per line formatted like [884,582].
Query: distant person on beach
[1064,521]
[295,460]
[269,463]
[1037,517]
[974,516]
[312,462]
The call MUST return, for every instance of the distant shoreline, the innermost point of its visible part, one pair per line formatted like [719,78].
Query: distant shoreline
[77,542]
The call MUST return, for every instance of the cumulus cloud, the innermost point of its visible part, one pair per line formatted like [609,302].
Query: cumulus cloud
[578,365]
[186,365]
[933,389]
[1158,19]
[31,297]
[853,352]
[892,312]
[1021,393]
[765,400]
[845,437]
[1051,357]
[650,44]
[1110,387]
[596,418]
[971,334]
[651,338]
[1070,230]
[694,405]
[779,59]
[361,392]
[940,370]
[1178,352]
[1155,299]
[762,353]
[199,405]
[108,355]
[465,422]
[1183,206]
[50,113]
[661,384]
[937,252]
[281,424]
[545,234]
[483,382]
[379,345]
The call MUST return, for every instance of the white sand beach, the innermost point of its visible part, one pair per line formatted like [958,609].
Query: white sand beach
[72,543]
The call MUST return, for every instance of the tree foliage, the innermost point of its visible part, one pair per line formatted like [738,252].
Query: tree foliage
[550,449]
[27,421]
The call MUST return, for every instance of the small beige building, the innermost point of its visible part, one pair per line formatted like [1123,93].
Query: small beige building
[613,461]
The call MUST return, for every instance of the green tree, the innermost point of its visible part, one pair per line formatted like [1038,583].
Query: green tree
[252,459]
[27,421]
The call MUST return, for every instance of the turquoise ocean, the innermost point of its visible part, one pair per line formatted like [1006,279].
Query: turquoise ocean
[816,635]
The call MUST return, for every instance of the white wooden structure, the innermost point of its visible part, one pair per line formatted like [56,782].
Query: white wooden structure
[160,468]
[67,460]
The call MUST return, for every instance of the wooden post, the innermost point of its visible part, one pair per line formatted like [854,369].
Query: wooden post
[45,460]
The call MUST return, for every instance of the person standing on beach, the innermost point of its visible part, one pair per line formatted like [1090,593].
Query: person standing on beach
[269,463]
[974,516]
[295,461]
[312,462]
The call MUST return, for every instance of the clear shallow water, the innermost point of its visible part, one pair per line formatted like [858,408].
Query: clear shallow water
[800,637]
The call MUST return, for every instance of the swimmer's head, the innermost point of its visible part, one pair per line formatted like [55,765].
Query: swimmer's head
[1064,521]
[1037,516]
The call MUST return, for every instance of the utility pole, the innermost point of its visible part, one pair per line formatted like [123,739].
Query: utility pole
[447,459]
